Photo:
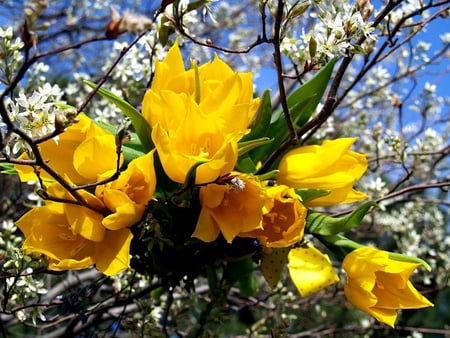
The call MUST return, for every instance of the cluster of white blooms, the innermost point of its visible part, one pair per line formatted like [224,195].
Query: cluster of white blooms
[11,55]
[419,231]
[337,27]
[405,9]
[136,64]
[17,270]
[36,114]
[445,38]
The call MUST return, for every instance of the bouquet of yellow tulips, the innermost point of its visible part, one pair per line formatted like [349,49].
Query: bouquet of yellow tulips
[208,182]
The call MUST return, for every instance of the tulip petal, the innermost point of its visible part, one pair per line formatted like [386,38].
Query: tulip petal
[113,254]
[85,222]
[206,229]
[310,270]
[100,150]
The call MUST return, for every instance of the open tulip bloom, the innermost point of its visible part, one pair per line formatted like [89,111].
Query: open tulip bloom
[198,191]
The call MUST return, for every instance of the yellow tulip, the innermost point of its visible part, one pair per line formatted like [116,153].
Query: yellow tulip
[128,196]
[73,154]
[284,222]
[230,210]
[72,237]
[330,166]
[310,270]
[198,115]
[379,285]
[76,237]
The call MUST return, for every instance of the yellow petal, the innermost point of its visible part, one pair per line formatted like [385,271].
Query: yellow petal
[206,229]
[113,253]
[310,270]
[100,150]
[125,216]
[51,214]
[48,232]
[272,264]
[85,222]
[401,296]
[70,264]
[236,211]
[283,221]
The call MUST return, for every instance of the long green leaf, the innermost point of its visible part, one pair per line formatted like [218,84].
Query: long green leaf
[303,101]
[307,195]
[301,104]
[319,224]
[261,122]
[246,146]
[141,126]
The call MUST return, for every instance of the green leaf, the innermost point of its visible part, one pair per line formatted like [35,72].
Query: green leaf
[107,126]
[270,175]
[339,244]
[245,164]
[132,150]
[195,5]
[189,181]
[261,122]
[272,265]
[404,258]
[319,224]
[307,195]
[301,104]
[303,101]
[245,147]
[165,30]
[141,126]
[7,169]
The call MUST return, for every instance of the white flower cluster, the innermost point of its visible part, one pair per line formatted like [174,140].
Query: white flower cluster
[419,231]
[10,52]
[35,114]
[337,27]
[405,9]
[17,271]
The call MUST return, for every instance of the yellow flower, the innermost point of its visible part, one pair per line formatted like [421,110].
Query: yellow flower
[73,154]
[198,115]
[330,166]
[230,210]
[379,285]
[310,270]
[76,237]
[128,196]
[284,222]
[72,237]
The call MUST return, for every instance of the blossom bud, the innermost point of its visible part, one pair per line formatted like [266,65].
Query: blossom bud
[64,119]
[128,22]
[365,7]
[377,131]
